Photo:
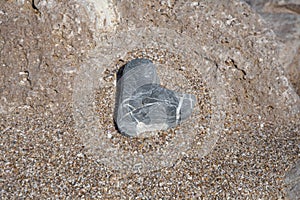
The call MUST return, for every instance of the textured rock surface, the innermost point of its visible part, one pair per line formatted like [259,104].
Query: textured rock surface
[222,48]
[293,182]
[283,17]
[144,105]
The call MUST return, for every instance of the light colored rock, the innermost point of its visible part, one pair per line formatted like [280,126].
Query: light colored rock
[283,17]
[105,14]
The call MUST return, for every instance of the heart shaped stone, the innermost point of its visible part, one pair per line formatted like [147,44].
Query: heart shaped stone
[142,104]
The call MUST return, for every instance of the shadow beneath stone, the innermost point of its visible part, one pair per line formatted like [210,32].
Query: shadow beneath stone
[119,76]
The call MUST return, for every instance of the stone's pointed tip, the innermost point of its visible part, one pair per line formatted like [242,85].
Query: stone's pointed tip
[185,108]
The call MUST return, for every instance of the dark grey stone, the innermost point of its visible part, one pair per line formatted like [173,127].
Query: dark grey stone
[144,105]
